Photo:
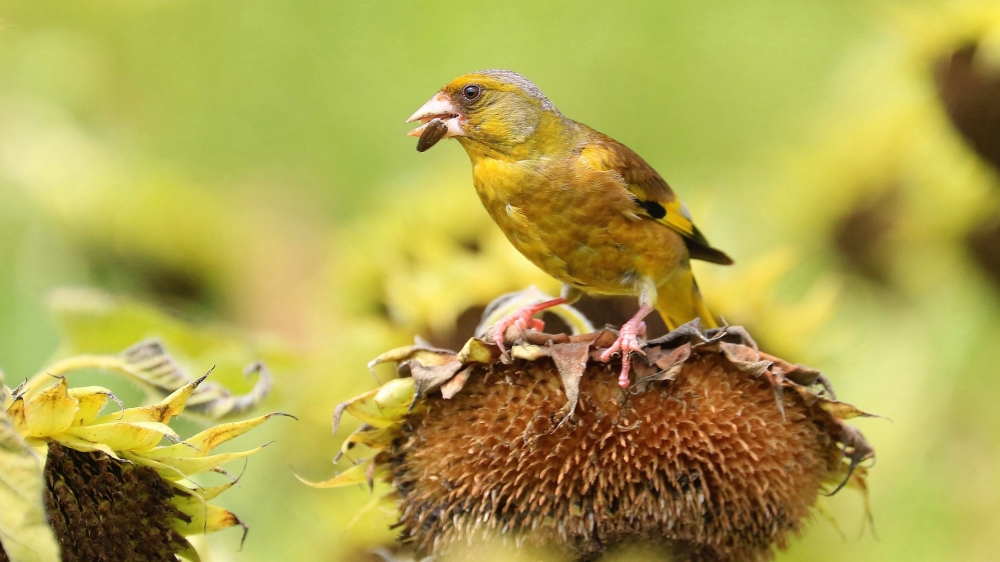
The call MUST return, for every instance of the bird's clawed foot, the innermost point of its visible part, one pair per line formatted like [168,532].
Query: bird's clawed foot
[522,319]
[626,344]
[519,320]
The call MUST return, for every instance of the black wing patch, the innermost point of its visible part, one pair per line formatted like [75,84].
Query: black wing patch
[654,209]
[697,245]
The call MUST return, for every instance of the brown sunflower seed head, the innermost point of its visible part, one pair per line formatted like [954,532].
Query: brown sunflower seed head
[103,509]
[970,93]
[717,452]
[984,245]
[863,236]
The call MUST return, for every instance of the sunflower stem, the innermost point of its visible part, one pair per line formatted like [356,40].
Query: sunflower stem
[71,364]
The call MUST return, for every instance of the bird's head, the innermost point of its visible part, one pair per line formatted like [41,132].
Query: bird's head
[489,112]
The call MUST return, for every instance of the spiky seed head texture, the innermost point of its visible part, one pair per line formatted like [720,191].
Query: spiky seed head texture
[94,504]
[718,453]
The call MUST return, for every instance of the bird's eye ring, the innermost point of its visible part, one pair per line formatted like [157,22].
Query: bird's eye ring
[471,92]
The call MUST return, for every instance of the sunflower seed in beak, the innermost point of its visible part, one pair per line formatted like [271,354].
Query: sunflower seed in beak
[433,131]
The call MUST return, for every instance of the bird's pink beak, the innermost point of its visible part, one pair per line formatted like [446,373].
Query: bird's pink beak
[439,107]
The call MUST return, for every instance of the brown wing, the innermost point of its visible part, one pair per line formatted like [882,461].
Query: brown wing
[652,196]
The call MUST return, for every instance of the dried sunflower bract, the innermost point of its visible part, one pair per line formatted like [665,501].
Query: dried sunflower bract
[716,452]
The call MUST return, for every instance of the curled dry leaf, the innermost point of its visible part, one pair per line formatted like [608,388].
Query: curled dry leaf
[150,364]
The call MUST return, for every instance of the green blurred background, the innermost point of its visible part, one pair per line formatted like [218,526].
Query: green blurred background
[242,166]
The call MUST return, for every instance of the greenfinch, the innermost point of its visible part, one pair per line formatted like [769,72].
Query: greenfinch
[581,206]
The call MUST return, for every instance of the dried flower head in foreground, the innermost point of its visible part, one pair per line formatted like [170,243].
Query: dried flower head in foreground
[76,485]
[716,452]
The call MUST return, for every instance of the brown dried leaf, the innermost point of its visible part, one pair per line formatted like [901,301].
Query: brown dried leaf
[856,449]
[571,362]
[685,333]
[642,367]
[542,338]
[799,374]
[427,378]
[675,357]
[742,336]
[670,365]
[745,358]
[589,337]
[808,396]
[605,339]
[453,386]
[749,360]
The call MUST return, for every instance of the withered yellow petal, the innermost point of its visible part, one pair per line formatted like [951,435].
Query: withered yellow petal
[125,436]
[162,412]
[206,494]
[50,411]
[382,407]
[91,399]
[844,410]
[188,553]
[202,443]
[168,473]
[374,437]
[83,445]
[24,533]
[197,465]
[205,518]
[15,413]
[478,351]
[422,353]
[364,473]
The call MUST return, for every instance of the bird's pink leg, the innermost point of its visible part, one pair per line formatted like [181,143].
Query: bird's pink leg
[523,319]
[628,342]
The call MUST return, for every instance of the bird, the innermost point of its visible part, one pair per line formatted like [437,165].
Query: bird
[581,206]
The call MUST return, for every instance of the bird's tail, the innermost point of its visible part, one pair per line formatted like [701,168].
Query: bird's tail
[678,301]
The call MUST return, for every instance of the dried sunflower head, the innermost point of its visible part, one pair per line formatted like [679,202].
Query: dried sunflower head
[717,452]
[78,485]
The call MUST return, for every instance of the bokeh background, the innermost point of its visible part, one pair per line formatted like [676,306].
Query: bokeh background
[232,177]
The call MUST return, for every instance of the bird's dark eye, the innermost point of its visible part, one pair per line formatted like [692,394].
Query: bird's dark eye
[471,92]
